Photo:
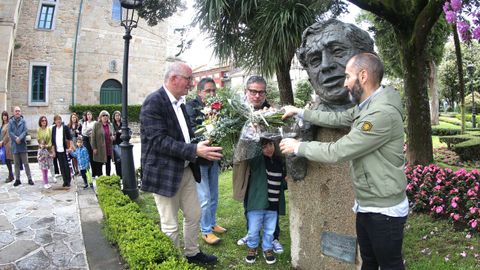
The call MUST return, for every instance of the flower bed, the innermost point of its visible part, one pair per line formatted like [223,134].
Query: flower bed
[445,194]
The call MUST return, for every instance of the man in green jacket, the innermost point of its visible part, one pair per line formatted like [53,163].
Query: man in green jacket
[374,146]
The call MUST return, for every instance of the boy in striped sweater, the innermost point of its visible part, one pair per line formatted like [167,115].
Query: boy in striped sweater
[264,197]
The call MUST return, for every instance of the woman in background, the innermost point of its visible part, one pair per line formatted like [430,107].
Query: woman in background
[117,127]
[102,144]
[5,142]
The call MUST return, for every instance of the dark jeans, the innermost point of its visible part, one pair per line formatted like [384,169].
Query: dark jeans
[55,166]
[84,176]
[118,168]
[380,238]
[64,168]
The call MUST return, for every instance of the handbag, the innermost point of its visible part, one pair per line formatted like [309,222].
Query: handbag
[2,155]
[117,153]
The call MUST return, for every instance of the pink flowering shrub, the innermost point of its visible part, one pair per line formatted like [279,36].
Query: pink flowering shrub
[445,193]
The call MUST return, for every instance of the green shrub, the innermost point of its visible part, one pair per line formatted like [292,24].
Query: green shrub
[436,131]
[468,150]
[455,121]
[133,110]
[467,146]
[139,239]
[468,117]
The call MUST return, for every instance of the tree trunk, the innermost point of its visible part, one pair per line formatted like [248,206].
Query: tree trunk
[458,54]
[433,89]
[419,131]
[284,83]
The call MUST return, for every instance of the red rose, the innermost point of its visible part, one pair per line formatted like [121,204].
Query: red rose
[216,105]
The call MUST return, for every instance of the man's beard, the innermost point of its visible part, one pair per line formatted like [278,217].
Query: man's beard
[356,93]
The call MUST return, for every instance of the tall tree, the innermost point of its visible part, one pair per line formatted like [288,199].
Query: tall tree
[155,11]
[261,35]
[390,53]
[412,22]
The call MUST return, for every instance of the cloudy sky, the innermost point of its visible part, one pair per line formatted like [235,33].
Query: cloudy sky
[200,52]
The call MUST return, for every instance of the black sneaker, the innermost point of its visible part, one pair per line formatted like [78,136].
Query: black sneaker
[202,258]
[85,186]
[251,255]
[269,256]
[30,182]
[17,183]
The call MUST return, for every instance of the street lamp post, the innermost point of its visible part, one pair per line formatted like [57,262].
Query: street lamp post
[128,168]
[471,70]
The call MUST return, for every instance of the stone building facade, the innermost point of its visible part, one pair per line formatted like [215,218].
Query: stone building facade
[63,52]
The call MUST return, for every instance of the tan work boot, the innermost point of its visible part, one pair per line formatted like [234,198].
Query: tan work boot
[218,229]
[211,239]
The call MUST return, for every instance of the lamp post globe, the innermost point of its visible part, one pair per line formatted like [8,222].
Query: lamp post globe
[129,180]
[471,71]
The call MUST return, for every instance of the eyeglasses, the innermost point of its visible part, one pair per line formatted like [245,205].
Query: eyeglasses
[254,92]
[190,79]
[105,115]
[210,91]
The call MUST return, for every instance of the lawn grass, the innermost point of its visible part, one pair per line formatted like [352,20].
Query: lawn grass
[436,142]
[427,241]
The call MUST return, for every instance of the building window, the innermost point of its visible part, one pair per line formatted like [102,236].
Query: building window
[116,10]
[46,14]
[38,88]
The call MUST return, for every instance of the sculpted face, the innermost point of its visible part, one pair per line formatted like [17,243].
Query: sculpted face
[326,48]
[326,60]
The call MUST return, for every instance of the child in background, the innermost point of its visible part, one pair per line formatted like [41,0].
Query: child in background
[264,199]
[81,154]
[45,161]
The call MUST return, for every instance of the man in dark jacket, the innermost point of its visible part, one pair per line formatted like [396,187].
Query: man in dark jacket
[207,189]
[169,159]
[17,129]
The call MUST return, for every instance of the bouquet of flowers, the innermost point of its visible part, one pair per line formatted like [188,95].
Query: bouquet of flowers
[234,125]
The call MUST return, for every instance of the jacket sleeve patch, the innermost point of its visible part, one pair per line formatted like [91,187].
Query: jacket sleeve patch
[367,126]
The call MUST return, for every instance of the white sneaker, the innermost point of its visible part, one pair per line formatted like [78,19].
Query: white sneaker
[242,241]
[277,247]
[53,179]
[47,186]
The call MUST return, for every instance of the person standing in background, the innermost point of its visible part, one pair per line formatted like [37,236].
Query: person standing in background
[117,127]
[7,144]
[17,128]
[207,189]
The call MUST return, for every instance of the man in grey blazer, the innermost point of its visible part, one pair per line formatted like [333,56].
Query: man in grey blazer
[169,159]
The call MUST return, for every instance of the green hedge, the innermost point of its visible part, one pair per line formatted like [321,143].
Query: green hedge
[133,110]
[468,150]
[467,146]
[139,239]
[455,121]
[436,131]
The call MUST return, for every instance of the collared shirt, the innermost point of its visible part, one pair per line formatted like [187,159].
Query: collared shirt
[59,139]
[366,101]
[176,104]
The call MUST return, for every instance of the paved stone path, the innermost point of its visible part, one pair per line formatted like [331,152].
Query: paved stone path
[40,228]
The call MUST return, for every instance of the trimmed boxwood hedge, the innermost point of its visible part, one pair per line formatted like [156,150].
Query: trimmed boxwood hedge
[467,146]
[445,131]
[133,110]
[139,239]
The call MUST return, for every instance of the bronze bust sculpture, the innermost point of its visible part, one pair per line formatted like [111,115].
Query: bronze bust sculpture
[326,47]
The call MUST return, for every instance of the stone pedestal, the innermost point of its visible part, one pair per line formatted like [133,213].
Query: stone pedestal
[320,203]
